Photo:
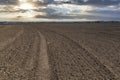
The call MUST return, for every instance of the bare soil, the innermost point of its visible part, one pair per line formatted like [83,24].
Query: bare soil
[60,51]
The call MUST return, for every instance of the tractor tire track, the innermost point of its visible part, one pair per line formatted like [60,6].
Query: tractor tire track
[89,58]
[10,40]
[43,72]
[104,47]
[24,57]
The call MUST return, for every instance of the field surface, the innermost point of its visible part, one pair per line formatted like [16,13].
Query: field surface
[60,51]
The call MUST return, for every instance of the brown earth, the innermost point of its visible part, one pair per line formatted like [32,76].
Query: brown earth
[60,51]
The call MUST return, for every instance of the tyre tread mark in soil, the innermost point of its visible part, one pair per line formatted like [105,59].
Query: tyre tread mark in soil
[10,41]
[15,55]
[43,72]
[91,56]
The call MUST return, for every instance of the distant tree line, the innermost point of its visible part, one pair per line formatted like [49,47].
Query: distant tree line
[15,22]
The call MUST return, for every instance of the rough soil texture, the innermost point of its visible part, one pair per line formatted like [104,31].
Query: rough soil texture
[60,51]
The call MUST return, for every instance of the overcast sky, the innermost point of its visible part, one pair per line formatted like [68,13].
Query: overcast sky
[60,10]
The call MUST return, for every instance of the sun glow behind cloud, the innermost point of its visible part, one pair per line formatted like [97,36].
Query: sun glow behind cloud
[24,10]
[25,6]
[28,7]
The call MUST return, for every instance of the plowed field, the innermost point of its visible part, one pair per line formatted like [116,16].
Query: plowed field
[60,51]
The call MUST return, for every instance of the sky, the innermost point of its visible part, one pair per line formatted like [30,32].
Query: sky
[59,10]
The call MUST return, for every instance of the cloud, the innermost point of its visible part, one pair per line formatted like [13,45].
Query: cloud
[65,9]
[87,2]
[8,2]
[81,2]
[88,12]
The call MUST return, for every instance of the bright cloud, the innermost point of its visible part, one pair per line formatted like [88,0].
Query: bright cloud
[67,9]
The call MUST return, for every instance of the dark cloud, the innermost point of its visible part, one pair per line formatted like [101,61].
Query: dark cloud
[109,13]
[87,2]
[81,17]
[7,2]
[83,2]
[100,2]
